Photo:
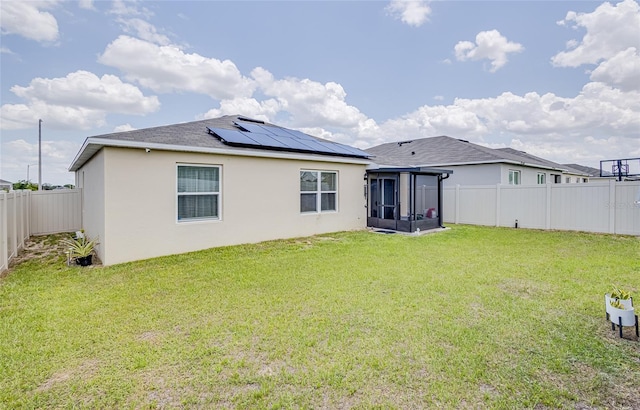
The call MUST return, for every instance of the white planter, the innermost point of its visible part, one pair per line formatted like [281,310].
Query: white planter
[627,303]
[628,316]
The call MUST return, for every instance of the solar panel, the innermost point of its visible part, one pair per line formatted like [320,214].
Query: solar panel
[297,134]
[293,144]
[261,129]
[265,136]
[233,137]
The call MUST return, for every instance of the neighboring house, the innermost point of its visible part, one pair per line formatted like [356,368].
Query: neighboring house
[5,185]
[590,172]
[216,182]
[472,164]
[607,175]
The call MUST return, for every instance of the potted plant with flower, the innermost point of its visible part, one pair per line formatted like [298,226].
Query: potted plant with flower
[81,249]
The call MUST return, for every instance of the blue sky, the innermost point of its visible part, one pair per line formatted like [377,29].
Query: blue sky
[557,79]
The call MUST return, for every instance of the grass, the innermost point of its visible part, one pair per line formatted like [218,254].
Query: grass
[472,317]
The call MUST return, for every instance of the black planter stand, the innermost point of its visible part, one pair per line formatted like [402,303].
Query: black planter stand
[613,326]
[84,261]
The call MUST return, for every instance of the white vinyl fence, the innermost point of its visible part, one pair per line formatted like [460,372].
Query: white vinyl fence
[607,207]
[26,213]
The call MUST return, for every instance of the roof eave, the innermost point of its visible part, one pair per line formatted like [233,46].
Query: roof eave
[94,144]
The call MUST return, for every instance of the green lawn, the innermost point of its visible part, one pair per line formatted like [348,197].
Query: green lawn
[472,317]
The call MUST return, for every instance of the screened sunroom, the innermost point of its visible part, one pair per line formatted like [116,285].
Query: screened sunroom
[405,199]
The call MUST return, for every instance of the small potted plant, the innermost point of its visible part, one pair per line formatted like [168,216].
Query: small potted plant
[617,294]
[81,249]
[620,311]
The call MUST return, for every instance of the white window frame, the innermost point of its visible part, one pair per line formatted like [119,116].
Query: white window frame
[542,178]
[318,191]
[512,177]
[217,193]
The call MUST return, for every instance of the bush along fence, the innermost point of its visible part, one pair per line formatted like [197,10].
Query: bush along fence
[605,207]
[26,213]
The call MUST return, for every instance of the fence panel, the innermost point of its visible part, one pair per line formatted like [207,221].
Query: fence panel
[4,231]
[26,213]
[627,209]
[527,204]
[607,207]
[581,207]
[56,211]
[477,205]
[14,228]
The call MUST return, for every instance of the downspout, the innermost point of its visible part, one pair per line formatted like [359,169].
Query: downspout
[440,179]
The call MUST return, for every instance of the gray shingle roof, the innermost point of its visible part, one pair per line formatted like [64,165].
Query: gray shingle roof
[592,172]
[192,134]
[447,151]
[184,136]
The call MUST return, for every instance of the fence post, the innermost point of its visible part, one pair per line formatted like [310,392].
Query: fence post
[498,204]
[14,225]
[547,221]
[457,217]
[4,233]
[612,206]
[21,219]
[28,214]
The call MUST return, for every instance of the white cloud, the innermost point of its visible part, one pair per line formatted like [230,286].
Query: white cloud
[167,69]
[431,121]
[86,4]
[557,128]
[27,19]
[310,102]
[250,107]
[490,45]
[144,30]
[610,29]
[79,100]
[597,110]
[413,13]
[123,128]
[129,8]
[17,154]
[584,150]
[621,70]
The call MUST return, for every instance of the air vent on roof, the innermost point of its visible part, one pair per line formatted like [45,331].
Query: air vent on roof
[463,140]
[404,142]
[241,118]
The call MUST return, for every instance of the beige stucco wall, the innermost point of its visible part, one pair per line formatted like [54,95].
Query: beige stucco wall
[260,200]
[90,178]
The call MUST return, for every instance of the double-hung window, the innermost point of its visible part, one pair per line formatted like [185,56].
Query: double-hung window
[198,192]
[514,177]
[542,178]
[318,191]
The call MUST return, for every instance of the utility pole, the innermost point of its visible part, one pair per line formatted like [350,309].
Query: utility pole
[39,155]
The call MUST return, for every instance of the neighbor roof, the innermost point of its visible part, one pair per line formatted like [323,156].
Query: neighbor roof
[592,172]
[194,137]
[447,151]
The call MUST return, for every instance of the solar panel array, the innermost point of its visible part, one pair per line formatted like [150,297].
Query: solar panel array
[256,135]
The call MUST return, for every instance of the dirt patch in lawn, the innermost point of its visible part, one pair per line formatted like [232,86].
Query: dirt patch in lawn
[84,371]
[43,248]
